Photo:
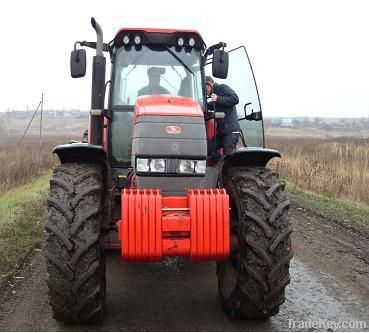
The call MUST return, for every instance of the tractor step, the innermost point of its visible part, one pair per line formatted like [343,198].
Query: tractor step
[195,226]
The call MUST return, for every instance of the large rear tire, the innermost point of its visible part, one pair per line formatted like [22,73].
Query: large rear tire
[75,257]
[252,281]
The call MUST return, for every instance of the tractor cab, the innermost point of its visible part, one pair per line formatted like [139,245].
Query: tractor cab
[182,59]
[179,61]
[156,74]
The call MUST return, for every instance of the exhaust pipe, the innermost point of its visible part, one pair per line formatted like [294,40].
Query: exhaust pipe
[99,33]
[98,89]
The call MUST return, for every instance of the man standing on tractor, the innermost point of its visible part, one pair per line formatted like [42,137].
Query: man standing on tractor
[221,98]
[154,87]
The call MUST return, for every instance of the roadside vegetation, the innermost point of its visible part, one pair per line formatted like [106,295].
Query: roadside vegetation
[351,214]
[24,183]
[22,212]
[333,167]
[21,161]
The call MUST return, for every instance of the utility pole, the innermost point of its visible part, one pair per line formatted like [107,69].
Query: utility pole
[42,107]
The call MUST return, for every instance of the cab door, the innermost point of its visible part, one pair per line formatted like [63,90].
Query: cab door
[241,79]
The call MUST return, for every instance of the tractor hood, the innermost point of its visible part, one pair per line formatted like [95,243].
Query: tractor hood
[167,105]
[170,129]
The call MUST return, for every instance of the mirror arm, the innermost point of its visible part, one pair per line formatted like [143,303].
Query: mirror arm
[244,109]
[76,58]
[246,105]
[75,45]
[92,45]
[211,49]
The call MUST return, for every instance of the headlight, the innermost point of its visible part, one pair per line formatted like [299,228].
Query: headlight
[142,165]
[157,165]
[200,167]
[191,42]
[137,39]
[126,40]
[180,41]
[186,166]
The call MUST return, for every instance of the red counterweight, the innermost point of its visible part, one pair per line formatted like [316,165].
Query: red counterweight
[195,226]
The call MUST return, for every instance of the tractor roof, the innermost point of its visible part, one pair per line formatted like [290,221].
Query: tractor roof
[159,36]
[163,31]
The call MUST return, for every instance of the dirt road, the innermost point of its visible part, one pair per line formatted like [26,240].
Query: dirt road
[329,273]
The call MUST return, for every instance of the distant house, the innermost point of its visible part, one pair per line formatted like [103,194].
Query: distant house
[286,122]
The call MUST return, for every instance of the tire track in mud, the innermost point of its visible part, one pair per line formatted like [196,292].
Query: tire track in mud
[176,295]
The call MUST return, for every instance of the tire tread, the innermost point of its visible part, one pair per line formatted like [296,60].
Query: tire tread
[263,229]
[74,256]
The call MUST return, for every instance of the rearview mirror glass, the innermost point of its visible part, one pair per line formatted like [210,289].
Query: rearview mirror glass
[78,63]
[220,64]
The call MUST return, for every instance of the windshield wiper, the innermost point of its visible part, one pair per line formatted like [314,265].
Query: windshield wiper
[179,60]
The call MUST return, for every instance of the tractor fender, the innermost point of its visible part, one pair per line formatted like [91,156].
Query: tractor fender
[80,153]
[84,153]
[247,156]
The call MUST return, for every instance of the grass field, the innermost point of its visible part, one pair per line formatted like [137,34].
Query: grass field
[314,133]
[334,167]
[349,213]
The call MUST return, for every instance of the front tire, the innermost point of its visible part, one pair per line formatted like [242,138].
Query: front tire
[75,257]
[252,281]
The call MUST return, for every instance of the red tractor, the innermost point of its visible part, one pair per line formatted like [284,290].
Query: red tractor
[146,185]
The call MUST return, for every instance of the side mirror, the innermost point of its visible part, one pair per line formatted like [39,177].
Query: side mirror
[220,64]
[257,116]
[78,63]
[254,116]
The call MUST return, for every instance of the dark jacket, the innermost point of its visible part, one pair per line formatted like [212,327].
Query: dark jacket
[226,102]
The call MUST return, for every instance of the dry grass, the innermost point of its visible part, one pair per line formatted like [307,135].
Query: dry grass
[20,162]
[336,167]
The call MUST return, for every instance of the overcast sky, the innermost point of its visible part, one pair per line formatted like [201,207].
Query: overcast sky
[309,57]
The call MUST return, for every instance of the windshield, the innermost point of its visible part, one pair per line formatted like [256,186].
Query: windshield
[150,71]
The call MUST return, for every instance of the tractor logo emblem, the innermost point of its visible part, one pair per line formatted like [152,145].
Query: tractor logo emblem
[173,129]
